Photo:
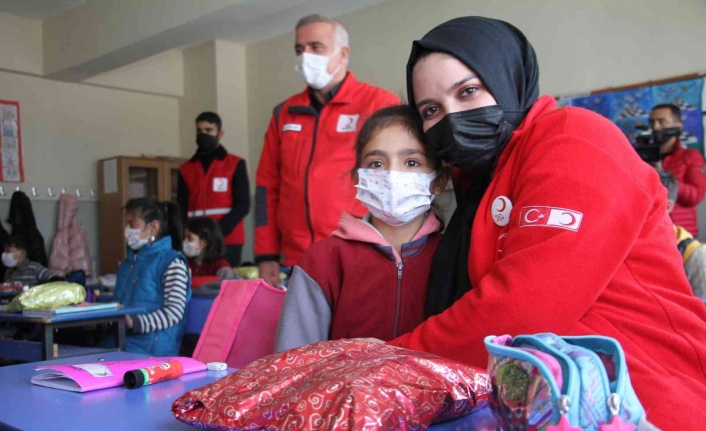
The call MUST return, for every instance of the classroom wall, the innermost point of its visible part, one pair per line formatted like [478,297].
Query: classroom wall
[233,103]
[160,74]
[581,45]
[199,92]
[67,128]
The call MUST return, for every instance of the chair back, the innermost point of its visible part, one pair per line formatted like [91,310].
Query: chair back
[242,324]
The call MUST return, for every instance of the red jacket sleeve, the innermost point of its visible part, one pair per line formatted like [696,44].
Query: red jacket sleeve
[267,180]
[693,186]
[547,278]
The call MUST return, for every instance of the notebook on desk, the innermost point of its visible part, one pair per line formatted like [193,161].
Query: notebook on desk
[82,307]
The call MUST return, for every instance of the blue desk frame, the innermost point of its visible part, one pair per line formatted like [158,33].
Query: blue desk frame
[27,351]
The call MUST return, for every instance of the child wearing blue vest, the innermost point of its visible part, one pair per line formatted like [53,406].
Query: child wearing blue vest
[154,276]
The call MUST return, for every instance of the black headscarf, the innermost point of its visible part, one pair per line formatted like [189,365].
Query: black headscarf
[506,63]
[497,51]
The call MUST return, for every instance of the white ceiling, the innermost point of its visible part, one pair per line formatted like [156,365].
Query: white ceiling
[38,9]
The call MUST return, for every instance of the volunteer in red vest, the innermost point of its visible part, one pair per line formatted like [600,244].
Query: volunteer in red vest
[303,179]
[686,165]
[560,226]
[214,183]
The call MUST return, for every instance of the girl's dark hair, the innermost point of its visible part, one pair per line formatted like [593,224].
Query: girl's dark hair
[208,230]
[167,213]
[401,115]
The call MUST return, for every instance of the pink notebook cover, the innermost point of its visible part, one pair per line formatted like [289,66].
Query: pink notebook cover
[101,375]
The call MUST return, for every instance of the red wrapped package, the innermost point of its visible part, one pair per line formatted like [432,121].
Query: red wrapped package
[340,384]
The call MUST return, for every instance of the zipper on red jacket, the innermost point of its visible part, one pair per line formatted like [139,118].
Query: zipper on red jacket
[306,178]
[399,299]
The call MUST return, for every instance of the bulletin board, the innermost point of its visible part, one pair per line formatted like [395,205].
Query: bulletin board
[630,106]
[11,166]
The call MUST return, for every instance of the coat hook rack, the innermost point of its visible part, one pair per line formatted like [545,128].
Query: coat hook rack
[48,191]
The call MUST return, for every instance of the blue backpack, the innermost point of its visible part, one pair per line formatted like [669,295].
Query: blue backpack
[547,382]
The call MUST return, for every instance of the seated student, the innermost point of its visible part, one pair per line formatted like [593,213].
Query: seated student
[154,276]
[692,250]
[205,248]
[370,278]
[20,268]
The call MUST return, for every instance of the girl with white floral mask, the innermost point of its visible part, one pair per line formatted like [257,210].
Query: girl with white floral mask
[205,248]
[369,279]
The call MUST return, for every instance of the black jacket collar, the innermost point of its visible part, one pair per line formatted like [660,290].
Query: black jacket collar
[219,153]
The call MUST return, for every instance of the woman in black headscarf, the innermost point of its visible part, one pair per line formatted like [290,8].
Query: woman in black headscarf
[560,227]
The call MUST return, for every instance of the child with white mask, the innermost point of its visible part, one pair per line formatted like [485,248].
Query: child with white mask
[20,268]
[155,277]
[205,248]
[369,279]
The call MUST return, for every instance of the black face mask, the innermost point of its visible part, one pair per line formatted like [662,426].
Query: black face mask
[660,137]
[471,140]
[206,142]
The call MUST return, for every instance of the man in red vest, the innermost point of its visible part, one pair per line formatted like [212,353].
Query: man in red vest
[686,165]
[214,183]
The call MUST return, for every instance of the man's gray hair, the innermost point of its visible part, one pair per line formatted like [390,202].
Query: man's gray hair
[341,35]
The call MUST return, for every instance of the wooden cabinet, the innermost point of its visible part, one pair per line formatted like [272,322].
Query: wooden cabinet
[124,178]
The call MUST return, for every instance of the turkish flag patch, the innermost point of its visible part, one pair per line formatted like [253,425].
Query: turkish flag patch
[551,217]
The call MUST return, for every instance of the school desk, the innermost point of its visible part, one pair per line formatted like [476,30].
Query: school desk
[39,351]
[31,408]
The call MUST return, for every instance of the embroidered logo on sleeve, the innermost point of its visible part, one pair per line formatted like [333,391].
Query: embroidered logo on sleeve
[551,217]
[292,127]
[220,184]
[347,123]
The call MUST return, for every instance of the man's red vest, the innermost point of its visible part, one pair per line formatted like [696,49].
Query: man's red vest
[210,193]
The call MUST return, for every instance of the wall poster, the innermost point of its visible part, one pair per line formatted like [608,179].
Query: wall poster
[11,166]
